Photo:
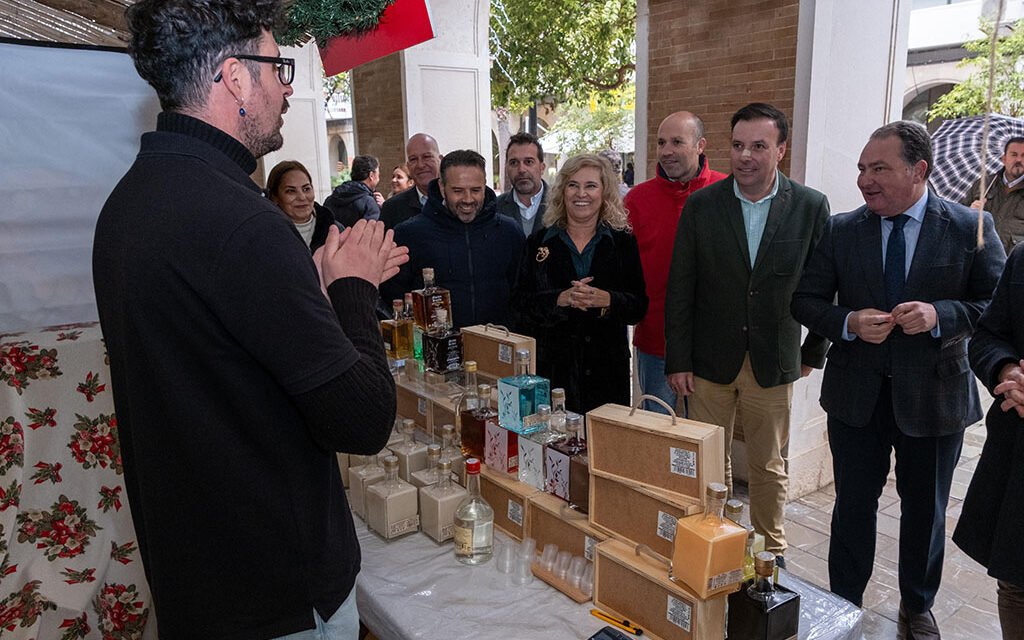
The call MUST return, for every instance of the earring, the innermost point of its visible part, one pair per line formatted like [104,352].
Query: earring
[241,111]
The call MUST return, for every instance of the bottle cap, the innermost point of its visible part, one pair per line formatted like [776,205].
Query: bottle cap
[764,563]
[390,463]
[447,430]
[558,392]
[574,422]
[472,466]
[717,491]
[523,354]
[469,366]
[428,273]
[408,424]
[397,304]
[445,466]
[734,507]
[434,451]
[544,410]
[408,297]
[483,390]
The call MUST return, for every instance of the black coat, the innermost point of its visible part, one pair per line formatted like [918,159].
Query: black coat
[351,202]
[397,209]
[585,352]
[993,513]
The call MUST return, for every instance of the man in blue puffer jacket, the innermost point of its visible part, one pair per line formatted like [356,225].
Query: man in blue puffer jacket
[473,250]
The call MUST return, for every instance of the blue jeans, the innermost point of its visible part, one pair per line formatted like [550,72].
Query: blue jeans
[650,370]
[343,625]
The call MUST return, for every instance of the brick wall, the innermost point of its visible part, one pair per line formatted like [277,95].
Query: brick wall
[378,115]
[712,57]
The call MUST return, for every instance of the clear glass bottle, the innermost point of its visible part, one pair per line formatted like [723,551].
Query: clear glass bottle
[558,411]
[521,394]
[392,504]
[559,454]
[428,300]
[438,503]
[417,330]
[361,477]
[442,345]
[533,447]
[748,557]
[412,456]
[470,399]
[397,333]
[474,423]
[707,554]
[429,475]
[474,521]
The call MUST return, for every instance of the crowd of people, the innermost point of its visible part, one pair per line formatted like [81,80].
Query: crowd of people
[244,347]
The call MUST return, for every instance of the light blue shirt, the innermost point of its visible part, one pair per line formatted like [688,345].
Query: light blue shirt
[755,216]
[911,232]
[528,212]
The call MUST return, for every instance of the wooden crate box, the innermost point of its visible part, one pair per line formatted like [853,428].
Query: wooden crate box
[507,497]
[494,350]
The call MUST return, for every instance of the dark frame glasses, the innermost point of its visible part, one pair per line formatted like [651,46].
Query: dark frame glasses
[285,66]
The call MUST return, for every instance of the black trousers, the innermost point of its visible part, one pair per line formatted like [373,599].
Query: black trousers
[924,473]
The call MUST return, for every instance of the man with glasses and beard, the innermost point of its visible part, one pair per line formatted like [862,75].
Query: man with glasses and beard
[240,364]
[1004,195]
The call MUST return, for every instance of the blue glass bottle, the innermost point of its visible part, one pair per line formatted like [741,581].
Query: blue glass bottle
[520,395]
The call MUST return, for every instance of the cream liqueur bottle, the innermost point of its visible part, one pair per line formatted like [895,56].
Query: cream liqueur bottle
[412,456]
[438,503]
[359,478]
[391,505]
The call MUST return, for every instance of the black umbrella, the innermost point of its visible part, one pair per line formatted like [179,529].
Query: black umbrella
[957,150]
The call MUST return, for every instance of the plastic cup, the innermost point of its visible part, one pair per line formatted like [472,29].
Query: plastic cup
[505,558]
[548,557]
[522,574]
[575,572]
[587,580]
[562,563]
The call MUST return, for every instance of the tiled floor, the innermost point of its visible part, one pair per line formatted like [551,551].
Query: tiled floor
[966,603]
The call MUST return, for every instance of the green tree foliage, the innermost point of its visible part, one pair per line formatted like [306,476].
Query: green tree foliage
[325,19]
[591,127]
[968,98]
[559,49]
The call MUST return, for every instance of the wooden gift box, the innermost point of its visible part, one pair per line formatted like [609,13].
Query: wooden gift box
[494,350]
[549,520]
[672,454]
[507,496]
[414,404]
[637,513]
[637,589]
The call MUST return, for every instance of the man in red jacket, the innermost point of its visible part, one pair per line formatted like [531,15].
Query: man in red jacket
[654,207]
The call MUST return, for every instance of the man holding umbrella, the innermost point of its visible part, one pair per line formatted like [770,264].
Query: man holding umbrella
[1004,195]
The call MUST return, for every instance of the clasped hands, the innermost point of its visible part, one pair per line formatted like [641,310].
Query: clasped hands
[364,250]
[874,326]
[1011,387]
[583,296]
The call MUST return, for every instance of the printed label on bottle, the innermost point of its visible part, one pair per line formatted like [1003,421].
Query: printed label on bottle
[679,613]
[725,579]
[404,526]
[483,535]
[508,404]
[588,547]
[683,462]
[447,531]
[667,526]
[463,541]
[421,406]
[515,512]
[505,353]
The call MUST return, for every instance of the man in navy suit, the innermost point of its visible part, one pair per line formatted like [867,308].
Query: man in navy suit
[911,283]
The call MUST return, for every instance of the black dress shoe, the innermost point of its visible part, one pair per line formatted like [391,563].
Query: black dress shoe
[916,626]
[780,562]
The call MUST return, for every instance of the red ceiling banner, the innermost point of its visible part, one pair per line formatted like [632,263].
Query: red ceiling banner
[402,25]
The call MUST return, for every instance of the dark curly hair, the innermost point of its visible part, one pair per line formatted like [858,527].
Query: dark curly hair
[178,44]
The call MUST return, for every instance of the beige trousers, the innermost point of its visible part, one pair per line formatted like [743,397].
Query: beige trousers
[765,418]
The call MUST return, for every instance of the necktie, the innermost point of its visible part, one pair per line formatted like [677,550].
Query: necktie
[895,262]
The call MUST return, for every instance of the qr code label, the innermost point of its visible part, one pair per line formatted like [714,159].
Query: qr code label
[515,512]
[505,353]
[588,548]
[684,462]
[667,526]
[679,613]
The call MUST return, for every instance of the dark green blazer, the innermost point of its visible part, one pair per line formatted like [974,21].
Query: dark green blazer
[718,308]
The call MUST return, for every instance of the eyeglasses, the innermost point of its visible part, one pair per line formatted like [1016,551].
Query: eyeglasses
[285,67]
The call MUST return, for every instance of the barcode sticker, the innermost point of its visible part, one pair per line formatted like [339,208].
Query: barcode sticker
[679,613]
[683,462]
[588,547]
[421,406]
[725,579]
[505,353]
[515,512]
[667,526]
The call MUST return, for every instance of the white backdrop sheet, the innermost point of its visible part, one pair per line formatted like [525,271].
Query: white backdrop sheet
[70,122]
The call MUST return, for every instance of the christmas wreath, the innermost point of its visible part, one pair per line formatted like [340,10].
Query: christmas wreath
[325,19]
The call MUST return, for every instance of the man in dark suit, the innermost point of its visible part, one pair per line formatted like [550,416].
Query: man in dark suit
[524,167]
[911,284]
[424,162]
[731,344]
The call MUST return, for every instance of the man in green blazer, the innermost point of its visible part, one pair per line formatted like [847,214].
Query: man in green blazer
[731,343]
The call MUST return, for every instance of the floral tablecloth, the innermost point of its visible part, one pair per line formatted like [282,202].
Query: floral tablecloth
[69,560]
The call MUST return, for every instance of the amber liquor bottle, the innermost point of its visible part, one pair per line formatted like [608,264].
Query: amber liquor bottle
[428,300]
